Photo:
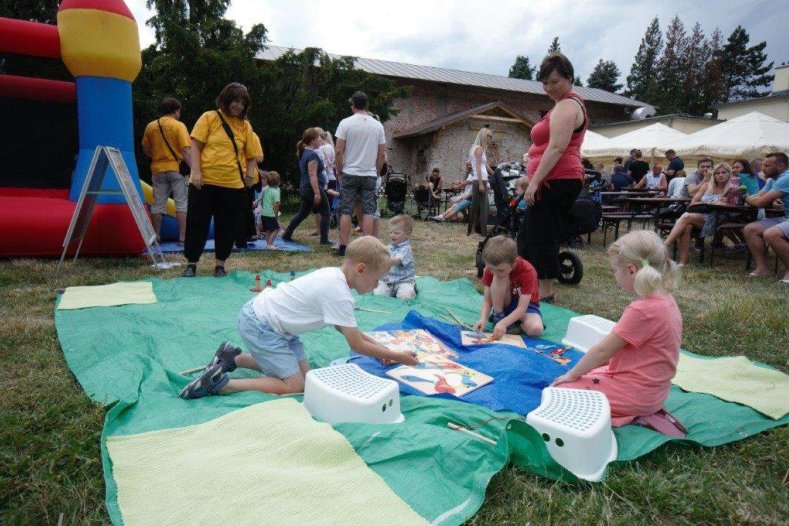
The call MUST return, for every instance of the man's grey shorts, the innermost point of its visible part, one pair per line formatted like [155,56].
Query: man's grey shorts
[358,187]
[781,222]
[277,355]
[163,182]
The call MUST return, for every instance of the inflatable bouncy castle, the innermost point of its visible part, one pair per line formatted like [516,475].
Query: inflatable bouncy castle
[43,166]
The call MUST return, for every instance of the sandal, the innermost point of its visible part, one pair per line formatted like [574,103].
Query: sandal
[225,357]
[209,383]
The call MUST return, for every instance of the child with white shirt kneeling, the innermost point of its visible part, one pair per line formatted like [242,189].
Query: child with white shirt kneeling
[270,325]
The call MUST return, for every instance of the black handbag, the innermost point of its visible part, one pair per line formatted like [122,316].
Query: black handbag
[232,138]
[183,168]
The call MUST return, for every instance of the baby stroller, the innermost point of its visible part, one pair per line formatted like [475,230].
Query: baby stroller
[424,201]
[583,218]
[396,190]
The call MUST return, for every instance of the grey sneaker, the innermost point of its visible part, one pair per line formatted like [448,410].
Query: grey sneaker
[225,357]
[209,383]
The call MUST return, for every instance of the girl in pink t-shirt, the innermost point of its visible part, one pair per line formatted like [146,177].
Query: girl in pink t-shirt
[634,364]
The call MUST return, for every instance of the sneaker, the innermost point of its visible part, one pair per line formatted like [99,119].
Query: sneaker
[287,238]
[219,272]
[209,383]
[189,272]
[341,251]
[225,357]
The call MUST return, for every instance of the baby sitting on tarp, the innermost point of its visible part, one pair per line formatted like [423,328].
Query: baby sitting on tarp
[400,281]
[635,363]
[271,322]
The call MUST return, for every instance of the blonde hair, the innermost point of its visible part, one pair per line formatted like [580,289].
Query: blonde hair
[713,184]
[326,136]
[272,179]
[370,251]
[481,134]
[645,250]
[500,249]
[404,221]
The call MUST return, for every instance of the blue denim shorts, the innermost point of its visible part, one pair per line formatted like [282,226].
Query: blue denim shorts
[530,309]
[277,355]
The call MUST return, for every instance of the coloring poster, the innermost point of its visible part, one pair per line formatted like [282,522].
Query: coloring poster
[427,346]
[480,338]
[440,377]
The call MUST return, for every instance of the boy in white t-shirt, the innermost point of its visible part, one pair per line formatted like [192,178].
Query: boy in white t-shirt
[270,325]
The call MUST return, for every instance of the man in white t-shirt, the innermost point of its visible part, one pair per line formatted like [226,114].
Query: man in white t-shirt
[359,158]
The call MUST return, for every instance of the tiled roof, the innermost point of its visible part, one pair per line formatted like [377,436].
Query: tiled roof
[446,120]
[452,76]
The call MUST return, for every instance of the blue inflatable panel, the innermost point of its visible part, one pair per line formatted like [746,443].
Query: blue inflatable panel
[104,112]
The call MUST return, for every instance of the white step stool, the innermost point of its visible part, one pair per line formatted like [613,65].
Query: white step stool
[576,426]
[583,332]
[346,393]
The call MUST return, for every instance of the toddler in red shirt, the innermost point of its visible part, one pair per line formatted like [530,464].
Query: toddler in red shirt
[512,296]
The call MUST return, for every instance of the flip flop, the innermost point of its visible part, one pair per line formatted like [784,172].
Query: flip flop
[784,281]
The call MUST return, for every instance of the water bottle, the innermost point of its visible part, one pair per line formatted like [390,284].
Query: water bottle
[734,191]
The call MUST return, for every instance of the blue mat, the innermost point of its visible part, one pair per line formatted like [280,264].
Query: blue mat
[519,375]
[171,247]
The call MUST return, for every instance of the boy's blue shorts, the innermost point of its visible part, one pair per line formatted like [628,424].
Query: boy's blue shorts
[277,355]
[530,309]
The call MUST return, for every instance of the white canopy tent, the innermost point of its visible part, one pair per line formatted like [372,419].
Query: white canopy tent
[594,140]
[751,135]
[645,139]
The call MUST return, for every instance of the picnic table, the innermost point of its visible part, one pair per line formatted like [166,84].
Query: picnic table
[653,205]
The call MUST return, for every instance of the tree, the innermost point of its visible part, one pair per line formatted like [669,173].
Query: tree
[604,76]
[577,81]
[555,46]
[45,12]
[642,80]
[522,69]
[743,68]
[670,75]
[197,51]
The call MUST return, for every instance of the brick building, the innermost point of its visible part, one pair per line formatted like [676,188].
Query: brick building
[436,126]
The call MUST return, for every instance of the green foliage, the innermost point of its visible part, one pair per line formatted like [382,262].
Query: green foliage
[522,69]
[45,12]
[197,52]
[577,81]
[671,76]
[555,47]
[743,68]
[308,89]
[604,76]
[642,80]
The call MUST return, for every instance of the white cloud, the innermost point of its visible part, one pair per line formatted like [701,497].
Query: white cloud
[487,36]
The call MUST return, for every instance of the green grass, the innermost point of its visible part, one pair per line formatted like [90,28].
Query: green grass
[49,429]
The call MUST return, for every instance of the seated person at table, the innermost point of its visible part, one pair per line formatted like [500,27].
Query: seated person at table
[772,231]
[714,191]
[633,365]
[695,180]
[460,202]
[742,169]
[621,179]
[512,296]
[401,279]
[271,322]
[434,185]
[654,180]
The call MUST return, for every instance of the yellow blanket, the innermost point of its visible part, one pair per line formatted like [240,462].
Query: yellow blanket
[107,295]
[736,379]
[269,463]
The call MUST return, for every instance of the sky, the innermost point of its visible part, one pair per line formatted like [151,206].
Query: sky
[486,36]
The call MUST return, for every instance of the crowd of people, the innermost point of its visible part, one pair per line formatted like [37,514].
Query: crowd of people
[633,365]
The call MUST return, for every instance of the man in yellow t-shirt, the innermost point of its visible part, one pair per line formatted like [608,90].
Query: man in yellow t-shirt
[166,141]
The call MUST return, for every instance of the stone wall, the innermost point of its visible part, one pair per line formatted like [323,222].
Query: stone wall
[447,148]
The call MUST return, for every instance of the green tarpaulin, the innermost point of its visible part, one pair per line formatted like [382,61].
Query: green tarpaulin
[131,355]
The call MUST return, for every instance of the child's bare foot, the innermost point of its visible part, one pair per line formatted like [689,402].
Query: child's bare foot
[271,247]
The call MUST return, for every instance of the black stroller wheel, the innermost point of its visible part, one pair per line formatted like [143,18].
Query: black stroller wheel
[571,269]
[576,242]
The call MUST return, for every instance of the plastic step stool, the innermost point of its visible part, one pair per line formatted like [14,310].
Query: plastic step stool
[583,332]
[576,426]
[346,393]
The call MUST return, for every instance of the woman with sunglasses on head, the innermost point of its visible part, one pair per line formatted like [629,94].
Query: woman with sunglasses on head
[223,151]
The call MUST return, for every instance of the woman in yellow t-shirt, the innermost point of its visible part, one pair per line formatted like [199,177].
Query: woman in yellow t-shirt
[216,184]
